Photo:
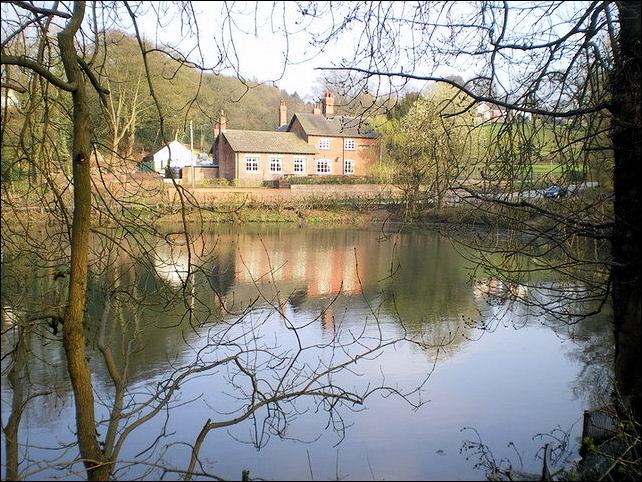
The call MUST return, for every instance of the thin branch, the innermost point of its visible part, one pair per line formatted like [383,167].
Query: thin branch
[477,97]
[39,10]
[26,62]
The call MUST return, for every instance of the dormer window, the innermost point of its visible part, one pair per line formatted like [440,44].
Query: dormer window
[324,144]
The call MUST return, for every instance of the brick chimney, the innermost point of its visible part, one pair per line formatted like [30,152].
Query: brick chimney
[316,109]
[219,125]
[222,121]
[283,114]
[328,105]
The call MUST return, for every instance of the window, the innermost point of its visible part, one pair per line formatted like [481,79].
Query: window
[299,165]
[276,165]
[324,144]
[348,144]
[323,166]
[251,164]
[348,166]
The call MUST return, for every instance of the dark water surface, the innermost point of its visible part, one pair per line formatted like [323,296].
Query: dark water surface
[524,375]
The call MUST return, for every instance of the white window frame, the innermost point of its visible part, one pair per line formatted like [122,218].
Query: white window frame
[349,144]
[327,163]
[302,162]
[278,163]
[252,161]
[348,163]
[324,144]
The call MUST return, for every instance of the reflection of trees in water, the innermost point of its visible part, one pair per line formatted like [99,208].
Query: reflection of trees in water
[39,393]
[223,275]
[558,304]
[415,284]
[298,297]
[594,352]
[418,280]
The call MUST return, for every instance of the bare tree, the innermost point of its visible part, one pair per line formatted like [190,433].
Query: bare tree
[90,233]
[572,69]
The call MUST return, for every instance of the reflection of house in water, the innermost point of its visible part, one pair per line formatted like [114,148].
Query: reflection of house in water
[494,290]
[316,273]
[282,272]
[172,263]
[296,273]
[327,319]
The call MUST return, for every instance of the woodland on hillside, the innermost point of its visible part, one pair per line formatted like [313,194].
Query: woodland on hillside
[128,125]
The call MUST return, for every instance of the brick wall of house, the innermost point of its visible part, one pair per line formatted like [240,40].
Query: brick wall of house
[297,128]
[366,151]
[226,160]
[228,165]
[264,172]
[364,154]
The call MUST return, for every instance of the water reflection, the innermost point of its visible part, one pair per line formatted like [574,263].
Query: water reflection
[171,306]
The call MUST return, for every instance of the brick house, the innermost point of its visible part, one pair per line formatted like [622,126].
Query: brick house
[317,143]
[252,157]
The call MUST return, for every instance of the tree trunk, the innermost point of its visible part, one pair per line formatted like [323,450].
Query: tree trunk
[625,274]
[74,338]
[17,380]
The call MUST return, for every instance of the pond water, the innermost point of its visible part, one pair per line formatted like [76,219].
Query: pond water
[459,372]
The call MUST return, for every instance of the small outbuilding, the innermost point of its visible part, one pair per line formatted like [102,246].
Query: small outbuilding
[175,154]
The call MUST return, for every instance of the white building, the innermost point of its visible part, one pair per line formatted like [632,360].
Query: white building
[180,157]
[490,113]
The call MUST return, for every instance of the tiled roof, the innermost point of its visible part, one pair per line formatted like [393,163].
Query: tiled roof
[338,126]
[267,141]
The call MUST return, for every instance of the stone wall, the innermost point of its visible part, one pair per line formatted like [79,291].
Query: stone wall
[200,173]
[295,193]
[346,190]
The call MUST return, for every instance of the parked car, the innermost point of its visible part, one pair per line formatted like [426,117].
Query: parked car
[556,192]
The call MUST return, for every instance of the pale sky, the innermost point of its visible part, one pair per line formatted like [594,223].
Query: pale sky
[259,42]
[255,40]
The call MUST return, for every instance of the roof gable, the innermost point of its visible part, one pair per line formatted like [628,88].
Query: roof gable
[338,126]
[176,149]
[267,141]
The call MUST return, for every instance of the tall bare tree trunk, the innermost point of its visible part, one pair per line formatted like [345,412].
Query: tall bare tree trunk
[626,272]
[16,378]
[74,338]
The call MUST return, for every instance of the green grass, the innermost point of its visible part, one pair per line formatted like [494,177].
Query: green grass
[548,169]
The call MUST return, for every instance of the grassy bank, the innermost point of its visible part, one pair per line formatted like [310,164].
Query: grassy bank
[151,204]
